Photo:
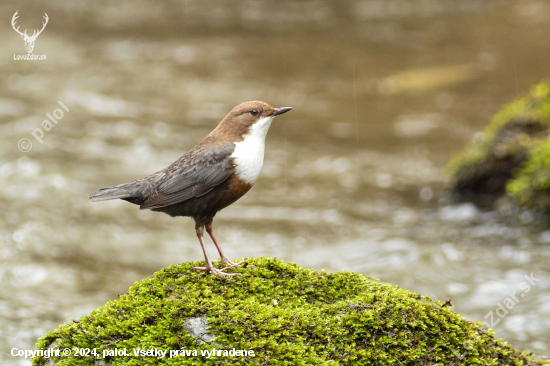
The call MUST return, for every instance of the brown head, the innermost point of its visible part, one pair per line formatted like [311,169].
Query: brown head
[246,118]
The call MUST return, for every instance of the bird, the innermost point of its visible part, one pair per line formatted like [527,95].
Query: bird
[211,176]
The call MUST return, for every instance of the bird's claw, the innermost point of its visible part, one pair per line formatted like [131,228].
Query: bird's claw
[217,272]
[229,263]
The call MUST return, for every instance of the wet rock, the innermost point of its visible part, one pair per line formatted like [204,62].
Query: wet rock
[196,327]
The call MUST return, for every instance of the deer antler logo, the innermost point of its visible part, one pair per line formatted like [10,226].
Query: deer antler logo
[29,41]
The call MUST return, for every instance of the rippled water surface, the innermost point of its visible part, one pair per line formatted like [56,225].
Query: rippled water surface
[383,93]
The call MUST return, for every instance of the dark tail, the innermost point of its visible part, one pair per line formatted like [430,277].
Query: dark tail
[109,194]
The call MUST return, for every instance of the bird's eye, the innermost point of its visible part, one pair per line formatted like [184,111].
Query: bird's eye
[254,112]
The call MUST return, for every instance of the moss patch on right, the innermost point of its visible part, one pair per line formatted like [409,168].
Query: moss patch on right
[287,315]
[531,184]
[482,170]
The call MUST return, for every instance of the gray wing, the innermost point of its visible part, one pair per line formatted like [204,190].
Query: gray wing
[193,175]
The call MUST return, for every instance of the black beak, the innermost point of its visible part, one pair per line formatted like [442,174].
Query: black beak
[281,111]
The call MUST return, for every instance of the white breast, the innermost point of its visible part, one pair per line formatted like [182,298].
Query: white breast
[249,153]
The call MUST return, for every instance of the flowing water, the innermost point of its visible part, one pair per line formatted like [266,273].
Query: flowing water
[383,91]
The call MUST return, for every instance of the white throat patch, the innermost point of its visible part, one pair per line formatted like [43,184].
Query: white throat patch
[249,153]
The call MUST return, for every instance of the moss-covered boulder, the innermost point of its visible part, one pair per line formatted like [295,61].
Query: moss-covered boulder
[507,150]
[285,314]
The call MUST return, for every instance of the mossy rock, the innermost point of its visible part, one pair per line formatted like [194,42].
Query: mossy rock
[285,314]
[483,169]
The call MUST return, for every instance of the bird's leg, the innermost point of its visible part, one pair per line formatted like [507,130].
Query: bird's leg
[199,228]
[224,259]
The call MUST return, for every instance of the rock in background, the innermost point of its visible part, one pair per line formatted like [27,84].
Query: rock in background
[510,157]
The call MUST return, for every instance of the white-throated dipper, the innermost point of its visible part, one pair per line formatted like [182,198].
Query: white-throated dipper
[212,175]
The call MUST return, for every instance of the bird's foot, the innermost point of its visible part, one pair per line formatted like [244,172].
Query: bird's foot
[217,272]
[229,263]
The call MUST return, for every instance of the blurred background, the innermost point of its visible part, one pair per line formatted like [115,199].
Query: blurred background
[383,91]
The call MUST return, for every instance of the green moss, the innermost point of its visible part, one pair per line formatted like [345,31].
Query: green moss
[287,315]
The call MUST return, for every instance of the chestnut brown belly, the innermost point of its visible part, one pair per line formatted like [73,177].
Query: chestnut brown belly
[205,207]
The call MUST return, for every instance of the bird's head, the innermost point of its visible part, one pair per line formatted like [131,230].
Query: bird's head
[248,118]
